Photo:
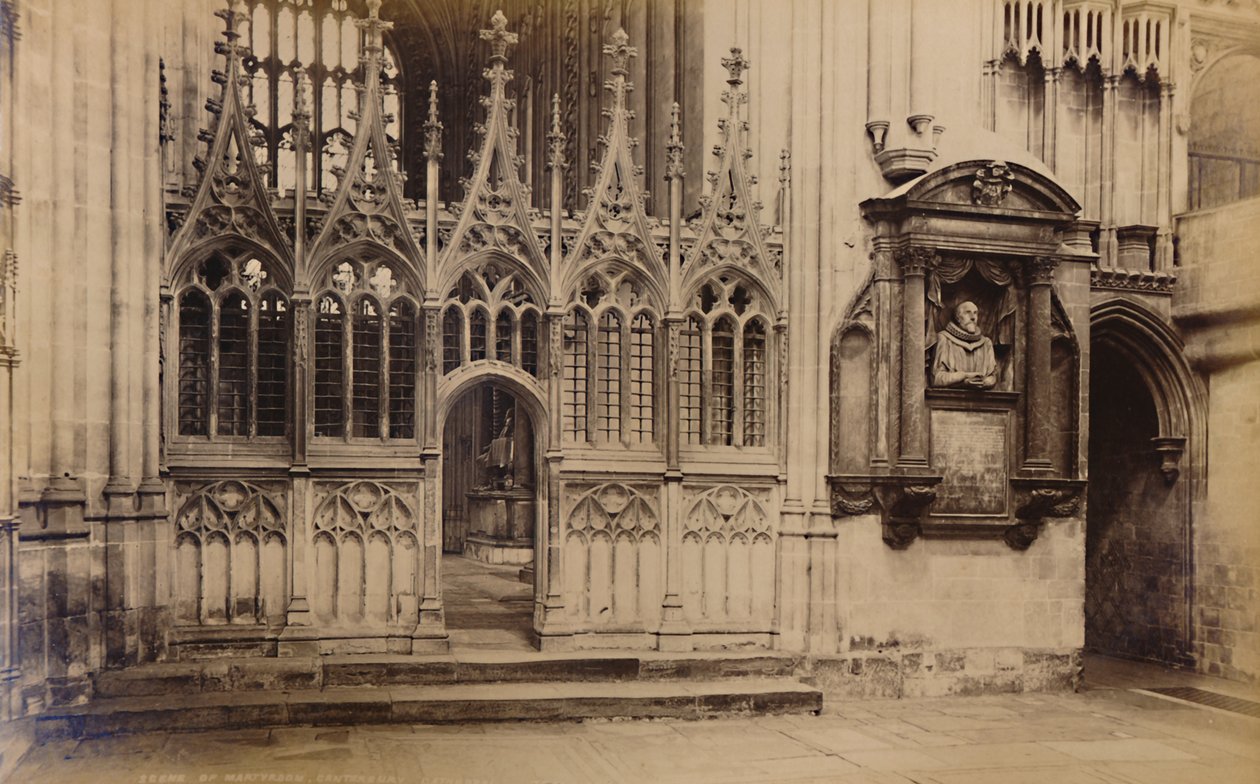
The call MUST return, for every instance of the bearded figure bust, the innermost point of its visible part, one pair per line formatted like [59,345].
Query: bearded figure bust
[963,357]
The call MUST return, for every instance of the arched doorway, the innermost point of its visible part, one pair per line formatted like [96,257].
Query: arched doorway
[1143,468]
[490,510]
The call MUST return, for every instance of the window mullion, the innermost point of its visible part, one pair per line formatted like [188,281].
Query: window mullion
[251,372]
[347,379]
[213,385]
[738,385]
[626,380]
[592,379]
[518,358]
[660,383]
[706,381]
[465,338]
[492,333]
[382,373]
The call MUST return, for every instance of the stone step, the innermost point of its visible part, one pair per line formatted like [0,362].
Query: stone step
[433,704]
[262,673]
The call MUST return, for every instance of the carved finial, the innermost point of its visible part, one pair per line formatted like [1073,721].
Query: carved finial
[433,127]
[785,166]
[621,52]
[373,27]
[735,65]
[301,109]
[556,138]
[233,17]
[674,147]
[498,36]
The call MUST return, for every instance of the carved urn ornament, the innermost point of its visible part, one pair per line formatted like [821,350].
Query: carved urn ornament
[992,184]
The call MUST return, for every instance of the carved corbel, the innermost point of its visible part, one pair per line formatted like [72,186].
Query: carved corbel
[850,499]
[902,501]
[904,504]
[878,131]
[1170,449]
[1038,499]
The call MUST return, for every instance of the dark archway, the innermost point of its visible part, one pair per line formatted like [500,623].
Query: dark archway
[490,515]
[1145,440]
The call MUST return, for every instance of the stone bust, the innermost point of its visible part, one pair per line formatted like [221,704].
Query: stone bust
[963,357]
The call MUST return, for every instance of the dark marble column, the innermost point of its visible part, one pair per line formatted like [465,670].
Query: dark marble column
[1040,275]
[913,263]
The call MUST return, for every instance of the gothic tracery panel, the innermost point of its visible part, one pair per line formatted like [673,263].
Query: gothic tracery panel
[231,553]
[366,543]
[728,558]
[490,314]
[613,554]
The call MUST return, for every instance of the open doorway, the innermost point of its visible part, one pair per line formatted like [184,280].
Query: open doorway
[1136,539]
[489,519]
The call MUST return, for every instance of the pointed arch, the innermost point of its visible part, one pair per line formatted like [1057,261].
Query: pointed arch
[1158,354]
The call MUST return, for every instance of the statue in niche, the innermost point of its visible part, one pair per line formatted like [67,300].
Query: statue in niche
[963,357]
[498,458]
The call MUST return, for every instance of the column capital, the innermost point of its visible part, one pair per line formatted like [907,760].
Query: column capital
[914,260]
[1040,270]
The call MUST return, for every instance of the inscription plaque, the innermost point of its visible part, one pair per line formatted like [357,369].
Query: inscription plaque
[969,450]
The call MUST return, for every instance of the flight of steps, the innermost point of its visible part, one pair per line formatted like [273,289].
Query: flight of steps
[467,687]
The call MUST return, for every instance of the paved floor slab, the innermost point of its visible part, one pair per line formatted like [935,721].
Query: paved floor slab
[1125,743]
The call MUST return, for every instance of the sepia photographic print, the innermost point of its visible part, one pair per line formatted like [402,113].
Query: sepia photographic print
[584,391]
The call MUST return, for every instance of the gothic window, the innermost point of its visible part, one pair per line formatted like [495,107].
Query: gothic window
[503,337]
[608,387]
[609,364]
[724,367]
[329,368]
[273,352]
[690,380]
[366,361]
[234,365]
[641,379]
[477,335]
[754,384]
[321,36]
[402,370]
[499,316]
[575,377]
[452,339]
[194,363]
[722,382]
[233,351]
[529,342]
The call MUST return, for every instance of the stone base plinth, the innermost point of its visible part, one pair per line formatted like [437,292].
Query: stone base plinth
[491,550]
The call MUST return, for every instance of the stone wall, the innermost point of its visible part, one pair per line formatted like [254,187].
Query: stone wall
[1217,303]
[1227,557]
[963,616]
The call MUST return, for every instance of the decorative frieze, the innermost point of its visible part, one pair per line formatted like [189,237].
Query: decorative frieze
[1143,281]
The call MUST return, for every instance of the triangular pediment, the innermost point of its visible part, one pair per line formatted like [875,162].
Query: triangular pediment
[616,227]
[731,236]
[495,214]
[232,198]
[367,209]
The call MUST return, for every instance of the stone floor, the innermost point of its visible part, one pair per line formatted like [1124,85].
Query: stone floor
[1108,733]
[487,606]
